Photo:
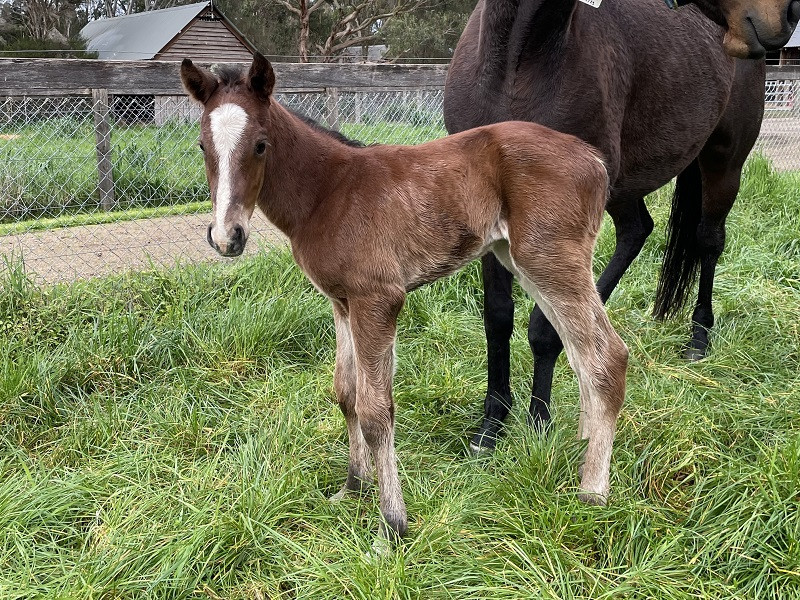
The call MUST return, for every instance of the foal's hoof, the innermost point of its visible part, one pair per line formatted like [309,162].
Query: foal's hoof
[340,495]
[381,548]
[350,491]
[593,499]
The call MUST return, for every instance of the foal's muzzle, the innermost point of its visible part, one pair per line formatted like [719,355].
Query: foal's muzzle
[234,246]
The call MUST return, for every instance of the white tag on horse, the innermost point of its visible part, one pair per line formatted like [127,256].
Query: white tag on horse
[592,3]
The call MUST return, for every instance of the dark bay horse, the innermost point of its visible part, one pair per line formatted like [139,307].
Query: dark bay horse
[651,88]
[367,225]
[751,26]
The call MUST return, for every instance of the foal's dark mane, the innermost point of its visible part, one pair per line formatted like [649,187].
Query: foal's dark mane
[232,75]
[330,132]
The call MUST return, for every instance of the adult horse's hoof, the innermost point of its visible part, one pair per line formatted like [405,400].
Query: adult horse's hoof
[695,354]
[698,345]
[485,439]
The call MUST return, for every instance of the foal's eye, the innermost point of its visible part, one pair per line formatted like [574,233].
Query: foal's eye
[202,148]
[261,147]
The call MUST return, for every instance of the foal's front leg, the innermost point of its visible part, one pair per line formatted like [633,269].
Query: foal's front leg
[373,325]
[344,382]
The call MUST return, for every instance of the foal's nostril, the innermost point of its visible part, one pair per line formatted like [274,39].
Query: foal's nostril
[238,235]
[208,236]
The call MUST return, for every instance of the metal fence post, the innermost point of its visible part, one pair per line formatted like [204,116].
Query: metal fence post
[332,108]
[102,135]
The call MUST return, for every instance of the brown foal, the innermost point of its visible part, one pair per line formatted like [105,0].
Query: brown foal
[367,225]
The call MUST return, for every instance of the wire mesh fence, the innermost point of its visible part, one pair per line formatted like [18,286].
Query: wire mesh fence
[94,185]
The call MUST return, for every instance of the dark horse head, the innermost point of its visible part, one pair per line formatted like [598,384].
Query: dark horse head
[751,26]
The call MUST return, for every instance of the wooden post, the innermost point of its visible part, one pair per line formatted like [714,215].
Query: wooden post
[102,135]
[332,108]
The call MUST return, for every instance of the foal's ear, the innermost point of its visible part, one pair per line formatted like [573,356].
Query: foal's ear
[261,77]
[198,82]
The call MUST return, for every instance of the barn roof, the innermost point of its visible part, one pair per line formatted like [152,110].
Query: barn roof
[794,41]
[141,36]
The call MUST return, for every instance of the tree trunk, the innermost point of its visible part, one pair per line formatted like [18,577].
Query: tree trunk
[305,29]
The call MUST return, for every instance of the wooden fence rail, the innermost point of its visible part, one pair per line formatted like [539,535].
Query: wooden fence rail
[100,79]
[78,77]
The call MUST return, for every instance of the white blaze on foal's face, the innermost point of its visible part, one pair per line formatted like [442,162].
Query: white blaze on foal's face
[228,123]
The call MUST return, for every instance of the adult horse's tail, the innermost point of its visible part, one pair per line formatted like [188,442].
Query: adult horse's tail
[682,256]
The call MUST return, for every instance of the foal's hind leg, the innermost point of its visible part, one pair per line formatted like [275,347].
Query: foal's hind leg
[344,382]
[567,296]
[633,224]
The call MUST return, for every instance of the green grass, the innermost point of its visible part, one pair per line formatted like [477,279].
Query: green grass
[172,434]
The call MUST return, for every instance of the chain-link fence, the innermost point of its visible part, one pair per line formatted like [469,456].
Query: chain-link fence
[93,185]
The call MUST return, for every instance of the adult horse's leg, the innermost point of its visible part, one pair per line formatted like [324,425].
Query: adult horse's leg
[498,320]
[704,194]
[633,224]
[344,382]
[721,183]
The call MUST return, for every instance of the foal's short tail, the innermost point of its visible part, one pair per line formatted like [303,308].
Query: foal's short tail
[682,256]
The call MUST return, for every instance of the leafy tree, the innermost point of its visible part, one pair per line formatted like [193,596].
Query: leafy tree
[117,8]
[265,23]
[429,33]
[345,23]
[42,28]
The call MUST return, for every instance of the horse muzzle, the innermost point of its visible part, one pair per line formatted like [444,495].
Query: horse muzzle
[232,245]
[753,36]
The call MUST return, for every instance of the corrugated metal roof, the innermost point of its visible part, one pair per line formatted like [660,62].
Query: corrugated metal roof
[140,36]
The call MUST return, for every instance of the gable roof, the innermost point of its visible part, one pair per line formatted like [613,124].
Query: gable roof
[142,36]
[794,41]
